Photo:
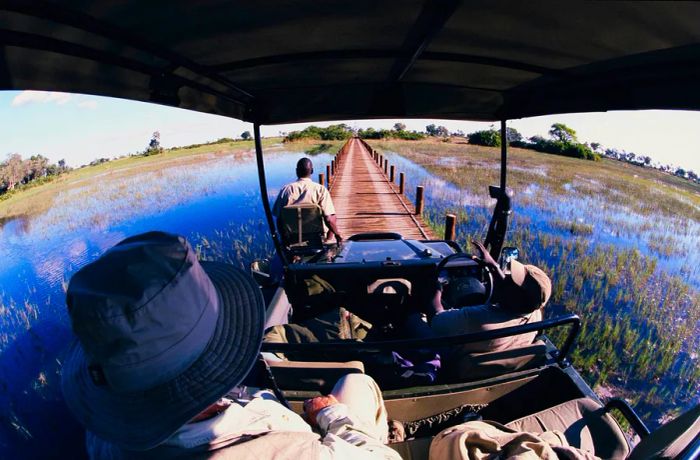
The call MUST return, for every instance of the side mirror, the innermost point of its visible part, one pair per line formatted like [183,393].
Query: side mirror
[260,269]
[507,254]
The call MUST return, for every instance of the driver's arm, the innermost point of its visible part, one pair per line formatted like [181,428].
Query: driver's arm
[435,307]
[332,223]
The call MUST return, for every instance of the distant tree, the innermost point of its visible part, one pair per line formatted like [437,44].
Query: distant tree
[153,145]
[647,160]
[457,133]
[489,138]
[245,135]
[512,135]
[596,146]
[431,129]
[562,133]
[399,127]
[442,131]
[12,171]
[679,172]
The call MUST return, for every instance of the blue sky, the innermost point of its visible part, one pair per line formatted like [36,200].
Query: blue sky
[80,128]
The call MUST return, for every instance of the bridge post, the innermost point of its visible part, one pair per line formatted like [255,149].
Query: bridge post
[402,182]
[332,166]
[328,173]
[419,200]
[391,174]
[450,224]
[386,167]
[322,179]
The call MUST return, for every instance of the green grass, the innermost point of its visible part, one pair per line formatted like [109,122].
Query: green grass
[638,319]
[646,189]
[37,199]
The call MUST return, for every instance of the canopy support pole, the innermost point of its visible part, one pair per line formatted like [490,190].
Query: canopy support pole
[504,154]
[498,226]
[263,195]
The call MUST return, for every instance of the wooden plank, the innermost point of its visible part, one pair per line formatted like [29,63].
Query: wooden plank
[366,201]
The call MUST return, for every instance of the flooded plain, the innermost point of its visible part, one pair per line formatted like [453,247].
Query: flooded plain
[629,264]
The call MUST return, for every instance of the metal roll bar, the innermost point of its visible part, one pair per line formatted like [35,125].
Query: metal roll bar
[265,198]
[629,414]
[437,342]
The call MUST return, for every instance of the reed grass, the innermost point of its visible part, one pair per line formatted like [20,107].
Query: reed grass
[640,317]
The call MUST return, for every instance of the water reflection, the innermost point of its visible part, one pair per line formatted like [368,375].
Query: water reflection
[214,203]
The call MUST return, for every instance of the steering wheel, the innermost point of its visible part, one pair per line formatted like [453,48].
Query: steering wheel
[465,280]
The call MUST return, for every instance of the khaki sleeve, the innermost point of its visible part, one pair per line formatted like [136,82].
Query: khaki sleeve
[326,202]
[450,322]
[280,202]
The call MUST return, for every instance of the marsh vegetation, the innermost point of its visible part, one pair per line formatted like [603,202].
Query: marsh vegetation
[620,243]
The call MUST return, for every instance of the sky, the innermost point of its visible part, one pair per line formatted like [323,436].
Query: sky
[80,128]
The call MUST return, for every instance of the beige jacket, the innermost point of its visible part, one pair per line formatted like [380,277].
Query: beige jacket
[262,429]
[489,440]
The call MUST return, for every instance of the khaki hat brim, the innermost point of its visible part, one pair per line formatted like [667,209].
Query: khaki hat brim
[142,420]
[517,272]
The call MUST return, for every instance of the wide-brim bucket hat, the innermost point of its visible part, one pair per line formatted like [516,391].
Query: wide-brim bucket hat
[534,283]
[144,398]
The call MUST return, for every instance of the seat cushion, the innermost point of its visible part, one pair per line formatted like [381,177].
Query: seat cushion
[584,422]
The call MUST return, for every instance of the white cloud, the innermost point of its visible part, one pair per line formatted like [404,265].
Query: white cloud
[40,97]
[88,104]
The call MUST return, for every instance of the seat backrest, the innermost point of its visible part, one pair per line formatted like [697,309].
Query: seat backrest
[302,225]
[476,366]
[312,375]
[671,439]
[585,423]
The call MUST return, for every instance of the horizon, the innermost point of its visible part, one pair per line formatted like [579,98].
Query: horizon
[80,128]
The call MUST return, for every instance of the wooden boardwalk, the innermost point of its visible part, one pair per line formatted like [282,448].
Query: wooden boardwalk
[366,201]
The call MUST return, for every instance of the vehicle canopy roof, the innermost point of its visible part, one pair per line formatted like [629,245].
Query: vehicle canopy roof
[275,61]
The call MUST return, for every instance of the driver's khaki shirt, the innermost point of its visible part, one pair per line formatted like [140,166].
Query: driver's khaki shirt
[483,318]
[304,191]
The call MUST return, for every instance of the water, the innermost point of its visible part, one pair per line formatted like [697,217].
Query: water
[216,205]
[628,270]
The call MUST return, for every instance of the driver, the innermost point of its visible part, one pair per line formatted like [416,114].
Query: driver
[306,191]
[518,298]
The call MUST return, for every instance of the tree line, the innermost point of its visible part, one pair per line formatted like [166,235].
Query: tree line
[562,140]
[17,172]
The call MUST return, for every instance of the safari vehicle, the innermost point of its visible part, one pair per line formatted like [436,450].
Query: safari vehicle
[272,62]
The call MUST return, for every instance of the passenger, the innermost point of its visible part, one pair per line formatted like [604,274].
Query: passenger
[163,346]
[518,299]
[305,191]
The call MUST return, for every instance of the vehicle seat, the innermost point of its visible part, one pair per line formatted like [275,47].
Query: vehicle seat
[584,422]
[413,449]
[477,366]
[302,227]
[671,439]
[312,375]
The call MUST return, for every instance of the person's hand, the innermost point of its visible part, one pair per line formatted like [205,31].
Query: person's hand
[484,256]
[338,238]
[314,405]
